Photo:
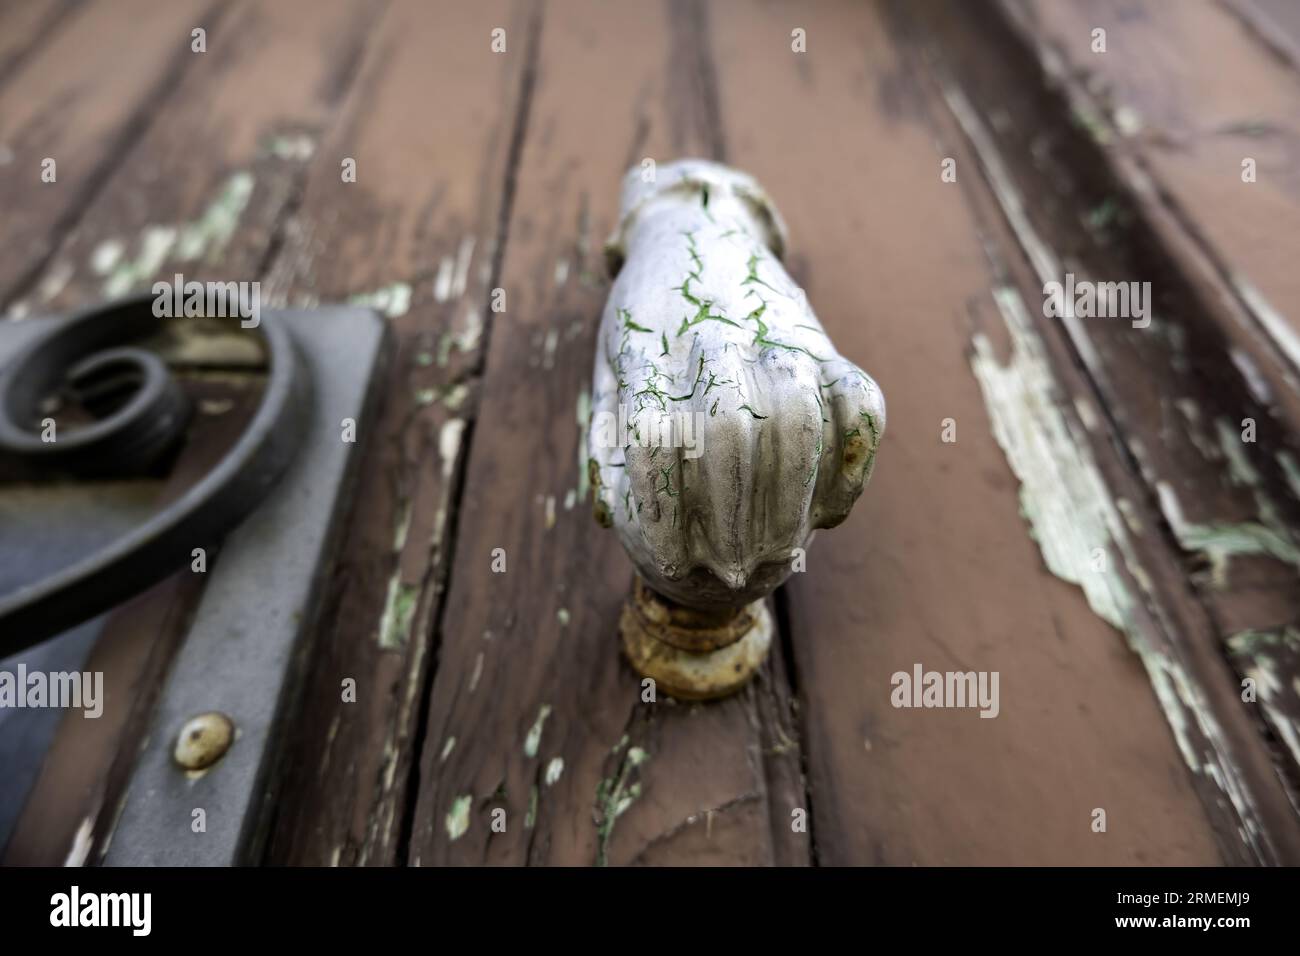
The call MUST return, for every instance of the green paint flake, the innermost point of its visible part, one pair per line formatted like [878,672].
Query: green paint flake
[530,818]
[1062,494]
[299,147]
[208,235]
[1254,642]
[106,256]
[156,243]
[455,396]
[554,770]
[1268,657]
[392,300]
[614,796]
[458,817]
[1220,542]
[395,624]
[534,738]
[1291,471]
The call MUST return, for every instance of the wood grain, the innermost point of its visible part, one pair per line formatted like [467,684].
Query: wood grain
[532,711]
[127,56]
[935,566]
[430,124]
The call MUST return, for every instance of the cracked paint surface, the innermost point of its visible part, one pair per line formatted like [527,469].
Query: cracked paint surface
[1071,513]
[703,324]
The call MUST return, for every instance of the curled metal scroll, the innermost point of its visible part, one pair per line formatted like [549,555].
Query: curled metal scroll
[87,355]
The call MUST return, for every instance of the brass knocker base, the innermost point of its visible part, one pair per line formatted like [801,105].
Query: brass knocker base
[693,654]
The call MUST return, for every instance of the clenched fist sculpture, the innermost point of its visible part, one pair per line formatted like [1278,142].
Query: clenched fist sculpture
[725,427]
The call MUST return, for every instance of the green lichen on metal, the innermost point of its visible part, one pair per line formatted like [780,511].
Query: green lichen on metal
[703,313]
[457,821]
[762,338]
[753,278]
[626,315]
[533,740]
[872,426]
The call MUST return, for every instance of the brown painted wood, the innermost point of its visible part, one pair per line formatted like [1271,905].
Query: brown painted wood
[429,124]
[25,26]
[1205,94]
[532,711]
[935,566]
[478,170]
[206,187]
[127,56]
[1174,394]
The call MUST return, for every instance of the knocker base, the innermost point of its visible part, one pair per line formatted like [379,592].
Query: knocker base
[693,654]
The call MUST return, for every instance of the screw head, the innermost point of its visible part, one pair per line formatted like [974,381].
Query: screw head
[203,740]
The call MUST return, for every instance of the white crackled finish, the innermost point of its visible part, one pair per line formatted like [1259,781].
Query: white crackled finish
[703,321]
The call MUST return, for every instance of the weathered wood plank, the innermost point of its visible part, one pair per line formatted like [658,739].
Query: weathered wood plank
[25,25]
[1196,94]
[1178,397]
[532,711]
[202,192]
[205,187]
[935,566]
[1222,459]
[80,99]
[1183,95]
[429,126]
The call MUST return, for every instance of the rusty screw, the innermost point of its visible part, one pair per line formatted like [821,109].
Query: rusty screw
[203,740]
